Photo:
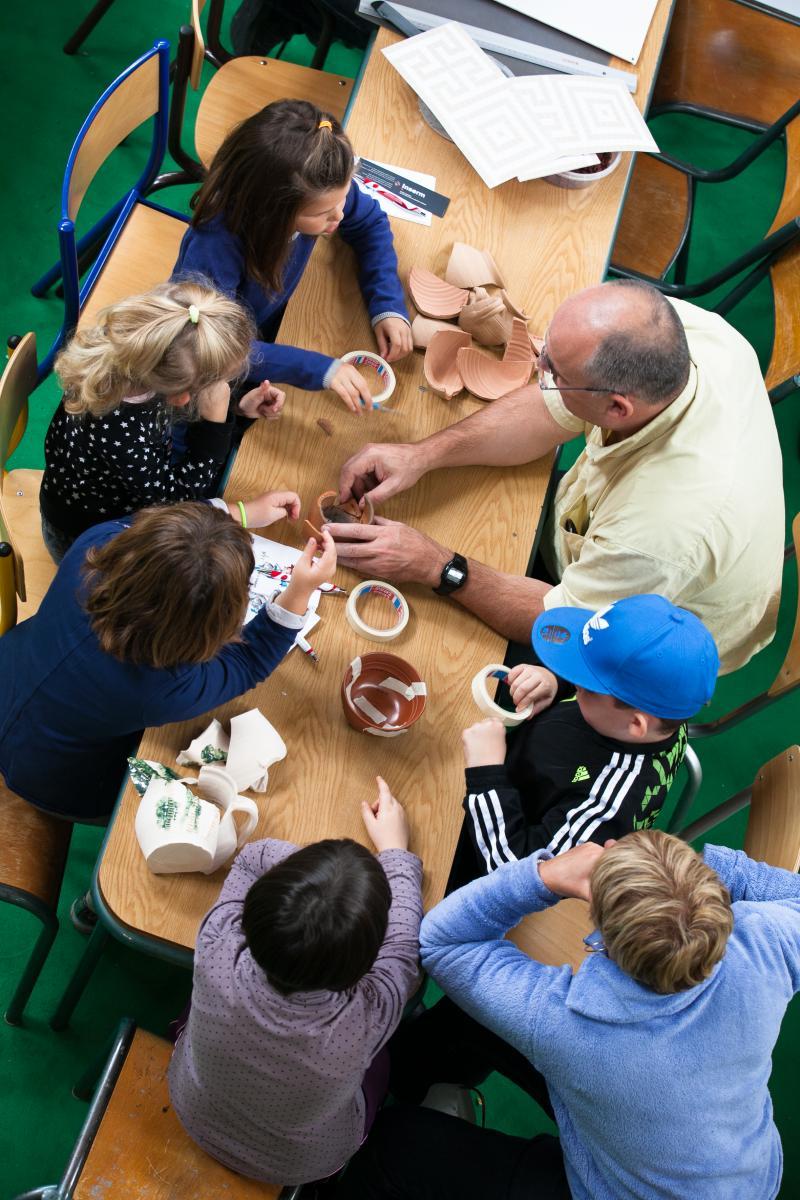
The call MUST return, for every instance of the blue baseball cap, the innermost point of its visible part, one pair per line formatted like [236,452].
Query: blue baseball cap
[641,650]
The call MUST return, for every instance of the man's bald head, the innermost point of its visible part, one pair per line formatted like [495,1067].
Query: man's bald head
[629,338]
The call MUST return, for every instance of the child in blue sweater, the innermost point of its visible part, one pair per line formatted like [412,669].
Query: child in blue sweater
[141,626]
[656,1053]
[280,180]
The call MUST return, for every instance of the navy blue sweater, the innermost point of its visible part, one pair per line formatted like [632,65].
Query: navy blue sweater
[211,251]
[70,713]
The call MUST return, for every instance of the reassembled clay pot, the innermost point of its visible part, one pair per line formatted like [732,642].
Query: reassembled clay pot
[489,379]
[399,711]
[441,373]
[469,267]
[328,512]
[433,297]
[423,329]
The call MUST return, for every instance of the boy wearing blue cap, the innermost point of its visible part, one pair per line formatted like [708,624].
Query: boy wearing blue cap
[611,701]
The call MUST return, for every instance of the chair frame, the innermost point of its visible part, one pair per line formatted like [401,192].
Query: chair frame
[103,1091]
[98,242]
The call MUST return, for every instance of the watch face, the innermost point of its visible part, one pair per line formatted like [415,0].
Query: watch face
[455,575]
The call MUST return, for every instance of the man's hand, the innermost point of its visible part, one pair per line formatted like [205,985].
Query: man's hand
[351,387]
[484,743]
[263,401]
[381,470]
[268,508]
[385,820]
[393,336]
[390,550]
[568,874]
[532,685]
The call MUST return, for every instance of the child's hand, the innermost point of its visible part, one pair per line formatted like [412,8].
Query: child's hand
[484,743]
[308,573]
[270,507]
[531,685]
[393,336]
[350,384]
[385,820]
[264,401]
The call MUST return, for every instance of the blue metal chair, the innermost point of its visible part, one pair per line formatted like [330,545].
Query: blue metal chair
[134,245]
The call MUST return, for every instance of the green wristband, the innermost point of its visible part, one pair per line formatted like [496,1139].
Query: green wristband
[242,513]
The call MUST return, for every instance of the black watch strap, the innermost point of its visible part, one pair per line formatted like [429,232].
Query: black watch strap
[454,575]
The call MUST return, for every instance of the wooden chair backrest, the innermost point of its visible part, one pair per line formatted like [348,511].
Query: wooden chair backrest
[789,674]
[16,384]
[785,272]
[132,102]
[199,48]
[773,828]
[731,58]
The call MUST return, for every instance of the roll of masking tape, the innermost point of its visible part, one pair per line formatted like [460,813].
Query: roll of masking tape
[365,358]
[377,588]
[480,694]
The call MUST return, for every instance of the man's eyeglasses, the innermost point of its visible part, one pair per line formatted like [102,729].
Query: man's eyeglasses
[547,379]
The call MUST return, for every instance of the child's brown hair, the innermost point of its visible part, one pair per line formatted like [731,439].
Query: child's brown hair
[172,589]
[267,168]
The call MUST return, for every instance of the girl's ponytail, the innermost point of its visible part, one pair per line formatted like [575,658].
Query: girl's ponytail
[181,337]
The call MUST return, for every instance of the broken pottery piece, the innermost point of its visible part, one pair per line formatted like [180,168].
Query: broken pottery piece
[423,329]
[433,297]
[512,308]
[469,267]
[519,347]
[325,426]
[489,379]
[331,513]
[486,318]
[441,373]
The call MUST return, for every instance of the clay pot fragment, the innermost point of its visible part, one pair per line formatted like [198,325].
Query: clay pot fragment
[423,329]
[469,267]
[328,512]
[441,373]
[489,379]
[433,297]
[486,318]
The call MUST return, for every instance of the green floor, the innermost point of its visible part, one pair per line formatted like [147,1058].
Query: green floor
[46,96]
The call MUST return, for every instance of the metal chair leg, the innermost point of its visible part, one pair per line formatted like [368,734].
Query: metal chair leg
[13,1014]
[690,790]
[74,43]
[83,972]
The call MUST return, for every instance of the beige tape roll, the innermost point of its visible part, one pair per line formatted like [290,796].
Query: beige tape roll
[480,694]
[377,588]
[366,358]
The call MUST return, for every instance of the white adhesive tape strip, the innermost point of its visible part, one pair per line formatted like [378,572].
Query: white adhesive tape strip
[377,588]
[366,358]
[480,694]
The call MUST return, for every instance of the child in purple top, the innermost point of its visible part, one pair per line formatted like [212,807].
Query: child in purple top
[302,970]
[280,180]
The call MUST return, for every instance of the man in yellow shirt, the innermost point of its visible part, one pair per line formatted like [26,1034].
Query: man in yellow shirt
[679,490]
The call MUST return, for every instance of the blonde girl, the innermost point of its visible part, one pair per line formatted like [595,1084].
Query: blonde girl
[150,360]
[280,180]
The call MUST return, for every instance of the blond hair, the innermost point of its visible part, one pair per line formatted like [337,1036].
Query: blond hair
[664,916]
[151,343]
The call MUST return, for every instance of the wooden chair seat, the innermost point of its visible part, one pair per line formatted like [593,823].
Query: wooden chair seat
[654,220]
[244,85]
[33,848]
[143,255]
[142,1150]
[21,508]
[785,273]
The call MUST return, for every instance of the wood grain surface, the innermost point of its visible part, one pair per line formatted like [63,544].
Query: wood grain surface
[548,243]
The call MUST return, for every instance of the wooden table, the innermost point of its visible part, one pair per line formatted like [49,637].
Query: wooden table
[549,243]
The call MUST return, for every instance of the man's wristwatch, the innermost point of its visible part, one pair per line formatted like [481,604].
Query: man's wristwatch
[454,575]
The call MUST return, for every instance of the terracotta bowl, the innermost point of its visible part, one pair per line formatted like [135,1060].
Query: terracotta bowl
[375,667]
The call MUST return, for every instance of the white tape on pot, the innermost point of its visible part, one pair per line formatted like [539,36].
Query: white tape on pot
[376,588]
[366,358]
[480,694]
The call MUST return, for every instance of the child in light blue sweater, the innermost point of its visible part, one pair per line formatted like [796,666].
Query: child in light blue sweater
[656,1053]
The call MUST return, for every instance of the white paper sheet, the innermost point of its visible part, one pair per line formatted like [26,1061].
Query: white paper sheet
[389,206]
[272,573]
[619,26]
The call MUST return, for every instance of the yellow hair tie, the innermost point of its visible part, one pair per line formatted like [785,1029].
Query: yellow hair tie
[194,313]
[325,125]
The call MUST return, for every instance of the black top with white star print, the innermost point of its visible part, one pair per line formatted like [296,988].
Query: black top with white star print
[98,468]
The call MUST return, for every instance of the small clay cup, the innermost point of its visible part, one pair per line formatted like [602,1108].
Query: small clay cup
[376,667]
